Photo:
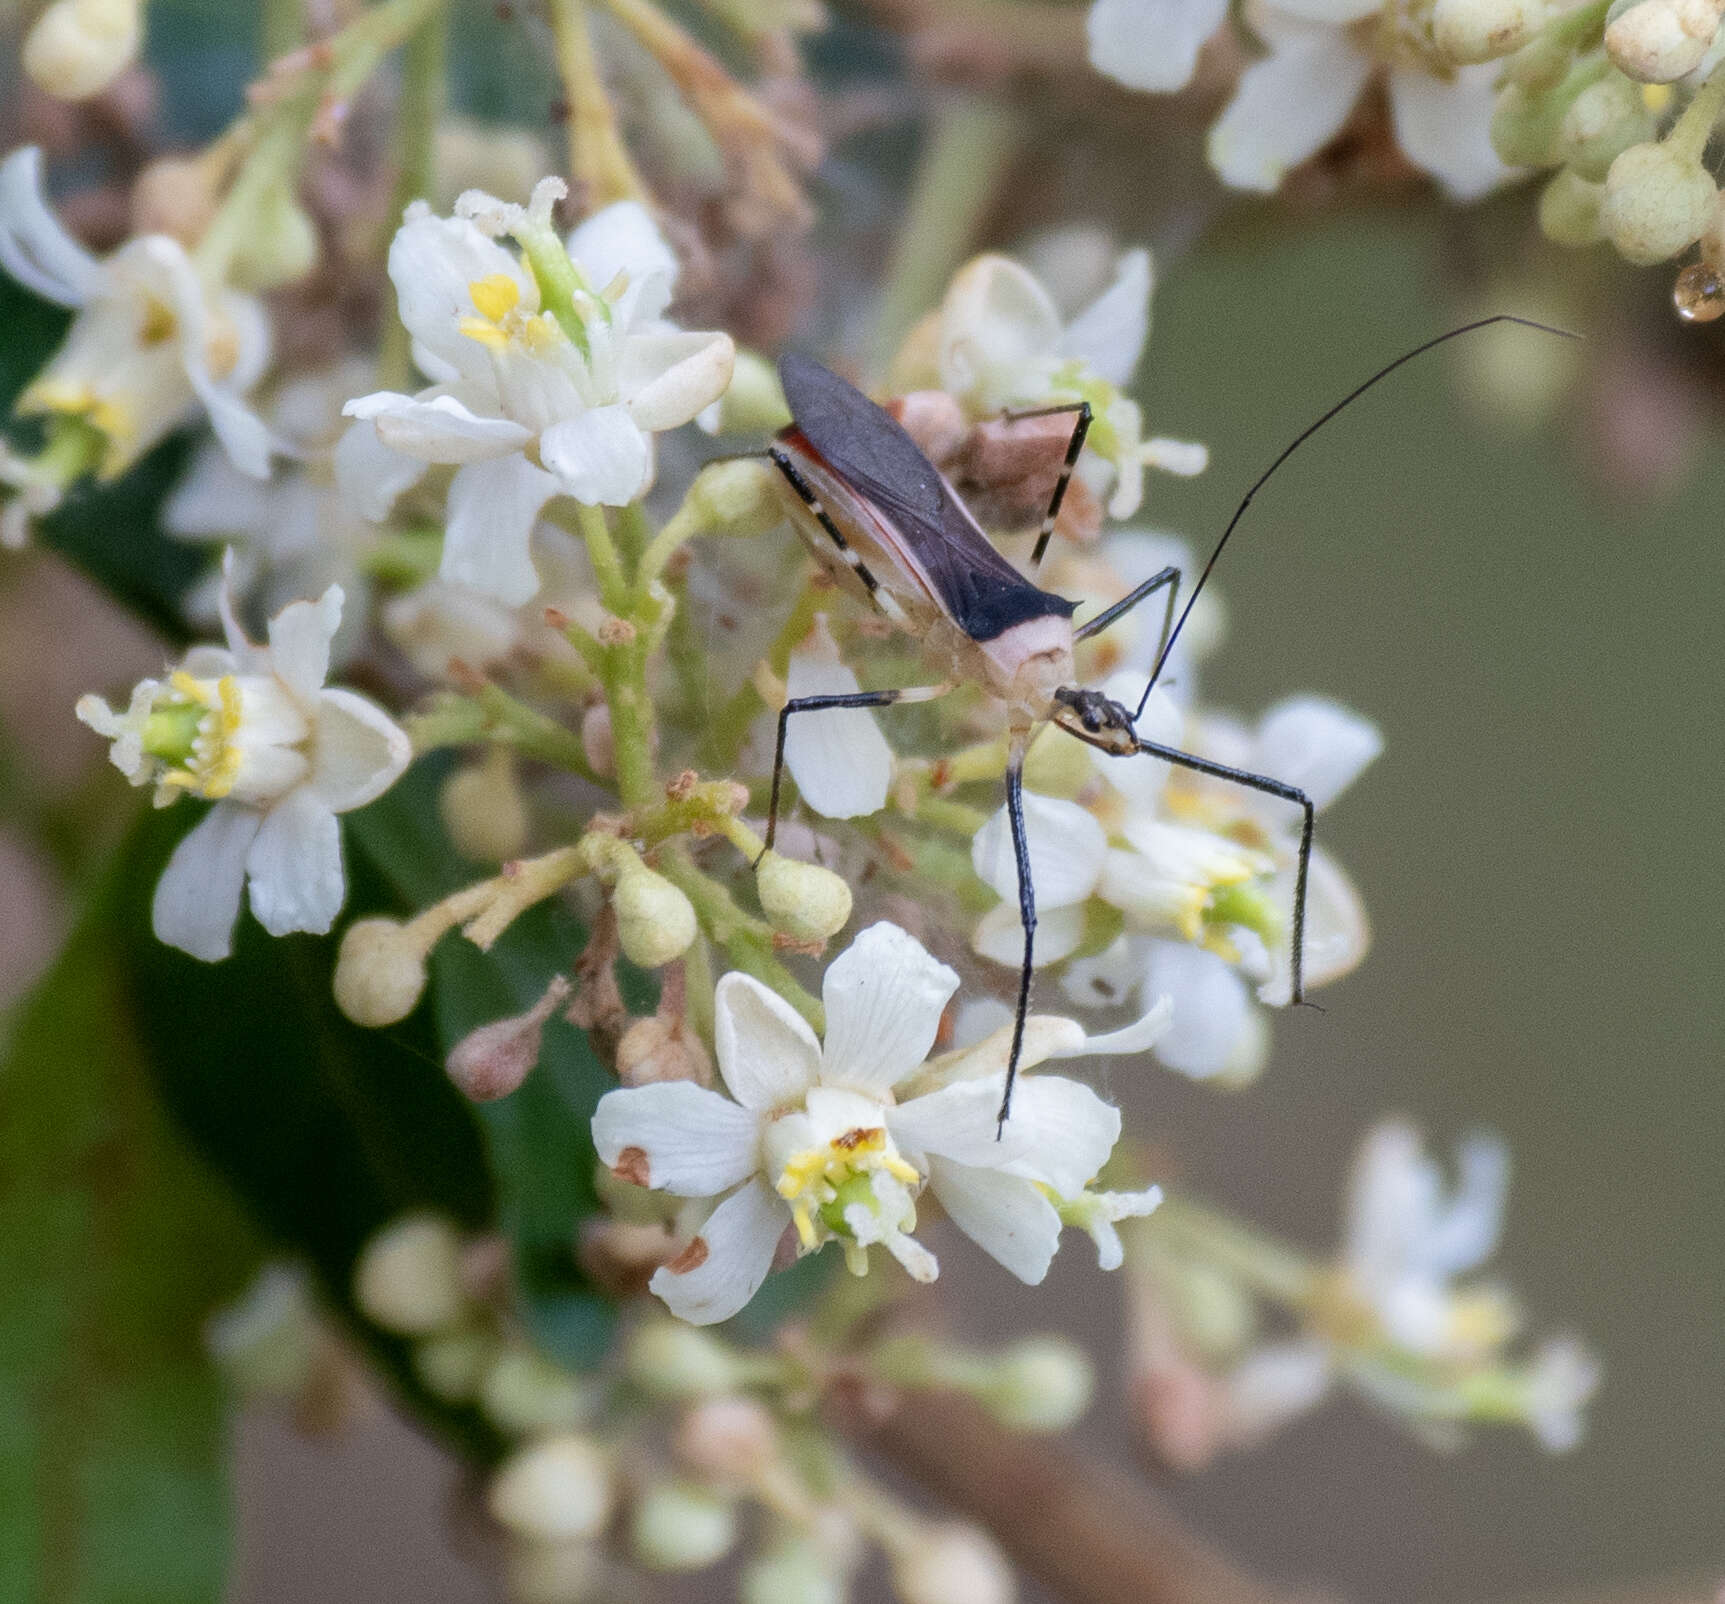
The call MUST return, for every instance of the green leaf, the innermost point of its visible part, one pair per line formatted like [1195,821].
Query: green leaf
[327,1132]
[115,1245]
[539,1137]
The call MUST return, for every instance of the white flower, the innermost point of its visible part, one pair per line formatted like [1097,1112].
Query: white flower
[552,374]
[1290,103]
[255,730]
[838,1141]
[998,342]
[838,756]
[152,342]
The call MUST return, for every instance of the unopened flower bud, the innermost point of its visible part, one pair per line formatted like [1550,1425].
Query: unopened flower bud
[952,1562]
[1602,122]
[657,1048]
[1482,30]
[493,1060]
[1659,41]
[452,1364]
[753,402]
[733,1439]
[1525,121]
[1043,1384]
[282,246]
[379,972]
[681,1526]
[1657,201]
[173,196]
[78,47]
[553,1573]
[740,497]
[598,744]
[408,1279]
[557,1490]
[803,900]
[671,1360]
[525,1393]
[655,921]
[1569,210]
[483,809]
[798,1570]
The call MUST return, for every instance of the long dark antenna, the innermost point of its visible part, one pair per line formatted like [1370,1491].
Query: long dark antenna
[1299,440]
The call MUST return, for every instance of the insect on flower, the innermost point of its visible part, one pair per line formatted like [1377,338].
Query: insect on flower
[879,517]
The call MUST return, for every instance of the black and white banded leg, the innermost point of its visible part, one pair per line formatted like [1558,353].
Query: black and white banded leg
[818,704]
[1308,819]
[1080,429]
[884,601]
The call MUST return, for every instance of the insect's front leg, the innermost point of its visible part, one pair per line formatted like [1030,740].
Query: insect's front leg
[1026,918]
[1270,787]
[1073,446]
[818,704]
[1168,577]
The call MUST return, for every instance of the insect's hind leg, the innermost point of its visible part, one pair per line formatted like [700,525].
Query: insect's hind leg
[1080,429]
[1026,918]
[818,704]
[1308,820]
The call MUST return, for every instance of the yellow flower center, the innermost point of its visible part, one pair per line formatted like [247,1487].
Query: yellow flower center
[205,756]
[497,299]
[824,1181]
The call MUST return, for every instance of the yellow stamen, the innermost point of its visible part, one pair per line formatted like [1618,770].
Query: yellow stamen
[495,296]
[805,1225]
[488,334]
[1656,97]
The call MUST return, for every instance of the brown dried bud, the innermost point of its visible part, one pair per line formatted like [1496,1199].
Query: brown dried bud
[620,1257]
[934,420]
[493,1060]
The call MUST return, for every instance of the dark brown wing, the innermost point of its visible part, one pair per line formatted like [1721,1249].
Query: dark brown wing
[867,448]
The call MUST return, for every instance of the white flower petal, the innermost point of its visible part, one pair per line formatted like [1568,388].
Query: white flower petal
[667,378]
[299,643]
[884,998]
[838,756]
[34,246]
[1465,1233]
[1108,335]
[1338,934]
[1000,934]
[1274,1384]
[623,238]
[961,1121]
[1066,848]
[198,897]
[767,1054]
[441,429]
[1003,1215]
[488,543]
[740,1238]
[369,475]
[600,456]
[1393,1197]
[432,263]
[1315,744]
[294,868]
[1108,978]
[1071,1132]
[215,500]
[1138,1037]
[1445,128]
[359,751]
[1287,107]
[1212,1011]
[999,334]
[1151,44]
[690,1141]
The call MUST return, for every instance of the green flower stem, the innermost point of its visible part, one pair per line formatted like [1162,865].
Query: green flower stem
[747,942]
[1269,1268]
[403,557]
[282,27]
[688,657]
[633,537]
[424,68]
[599,164]
[595,533]
[1692,131]
[688,520]
[280,129]
[945,814]
[493,715]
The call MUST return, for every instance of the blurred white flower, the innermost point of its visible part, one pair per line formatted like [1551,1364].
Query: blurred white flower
[838,756]
[551,375]
[255,730]
[152,342]
[837,1141]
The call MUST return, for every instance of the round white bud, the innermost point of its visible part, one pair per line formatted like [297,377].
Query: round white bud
[1659,41]
[1482,30]
[734,1439]
[655,921]
[1569,210]
[280,247]
[484,811]
[557,1490]
[671,1360]
[408,1279]
[379,972]
[173,196]
[795,1571]
[952,1562]
[803,900]
[598,743]
[681,1526]
[524,1392]
[78,47]
[451,1364]
[1602,122]
[1043,1384]
[753,402]
[1657,202]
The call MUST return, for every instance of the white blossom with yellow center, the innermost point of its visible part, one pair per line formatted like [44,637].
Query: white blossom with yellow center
[552,373]
[838,1141]
[254,730]
[152,343]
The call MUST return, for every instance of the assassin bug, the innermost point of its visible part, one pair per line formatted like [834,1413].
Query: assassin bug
[882,520]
